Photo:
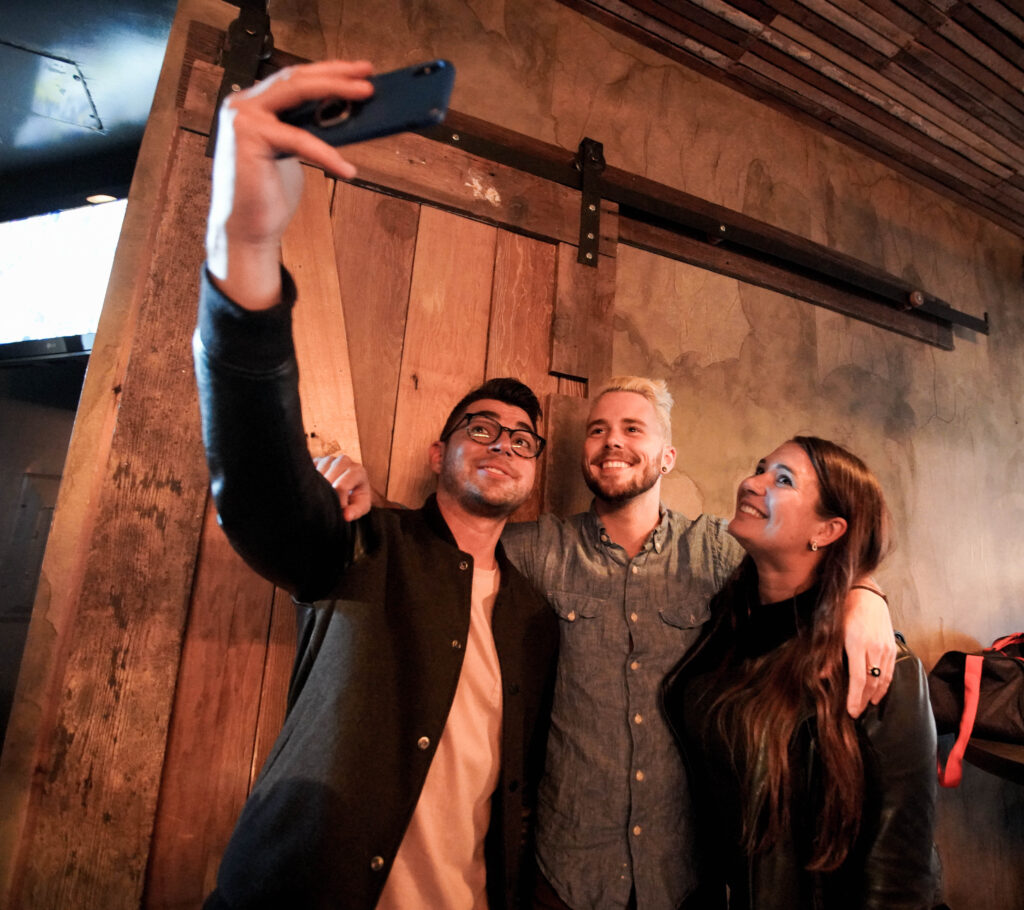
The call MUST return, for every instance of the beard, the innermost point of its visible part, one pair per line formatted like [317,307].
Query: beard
[497,501]
[615,491]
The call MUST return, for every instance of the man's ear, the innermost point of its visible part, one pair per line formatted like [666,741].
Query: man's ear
[831,530]
[668,459]
[436,456]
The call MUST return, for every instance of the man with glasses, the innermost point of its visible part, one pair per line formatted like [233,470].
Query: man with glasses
[405,774]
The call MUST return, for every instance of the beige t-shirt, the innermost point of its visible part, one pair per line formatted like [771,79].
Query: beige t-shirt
[440,862]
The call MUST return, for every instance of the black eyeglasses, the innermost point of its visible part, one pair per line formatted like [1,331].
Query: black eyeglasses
[486,430]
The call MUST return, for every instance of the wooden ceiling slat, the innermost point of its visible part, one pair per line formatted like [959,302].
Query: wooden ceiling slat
[841,38]
[929,68]
[1010,22]
[987,84]
[879,22]
[925,11]
[762,12]
[702,26]
[905,21]
[932,99]
[990,34]
[857,28]
[844,103]
[960,35]
[912,109]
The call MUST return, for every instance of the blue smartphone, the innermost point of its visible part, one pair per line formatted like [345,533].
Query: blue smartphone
[406,99]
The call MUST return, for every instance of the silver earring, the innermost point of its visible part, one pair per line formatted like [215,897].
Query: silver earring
[813,545]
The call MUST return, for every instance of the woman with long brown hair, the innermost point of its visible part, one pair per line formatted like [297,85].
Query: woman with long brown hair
[799,804]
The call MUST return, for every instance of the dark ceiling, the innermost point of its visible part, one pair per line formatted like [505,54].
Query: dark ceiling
[78,80]
[934,88]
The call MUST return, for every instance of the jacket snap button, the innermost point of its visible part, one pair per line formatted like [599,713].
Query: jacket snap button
[377,863]
[463,565]
[423,743]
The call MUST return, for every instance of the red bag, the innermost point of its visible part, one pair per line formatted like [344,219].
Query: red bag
[978,694]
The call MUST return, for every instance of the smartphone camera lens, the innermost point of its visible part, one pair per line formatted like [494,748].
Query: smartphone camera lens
[333,111]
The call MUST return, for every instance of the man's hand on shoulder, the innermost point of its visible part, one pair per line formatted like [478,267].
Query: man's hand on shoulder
[870,646]
[350,482]
[257,178]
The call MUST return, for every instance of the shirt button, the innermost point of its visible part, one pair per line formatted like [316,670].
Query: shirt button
[639,775]
[638,718]
[571,616]
[463,564]
[637,830]
[423,743]
[633,617]
[377,863]
[634,569]
[635,665]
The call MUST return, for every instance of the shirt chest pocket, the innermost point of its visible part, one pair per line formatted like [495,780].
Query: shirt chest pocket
[581,620]
[685,616]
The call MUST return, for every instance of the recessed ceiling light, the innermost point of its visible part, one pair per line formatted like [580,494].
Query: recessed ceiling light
[100,198]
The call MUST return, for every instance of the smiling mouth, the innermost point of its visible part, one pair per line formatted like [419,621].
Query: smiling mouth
[613,464]
[747,509]
[493,471]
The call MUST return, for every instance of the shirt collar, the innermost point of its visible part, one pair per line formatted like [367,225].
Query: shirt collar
[656,539]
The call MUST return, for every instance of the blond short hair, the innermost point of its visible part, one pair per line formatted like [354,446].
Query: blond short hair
[654,390]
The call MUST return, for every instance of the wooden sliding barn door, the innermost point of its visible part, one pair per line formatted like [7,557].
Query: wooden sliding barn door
[436,271]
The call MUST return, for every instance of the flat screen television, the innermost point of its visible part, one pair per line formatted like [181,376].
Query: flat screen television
[53,277]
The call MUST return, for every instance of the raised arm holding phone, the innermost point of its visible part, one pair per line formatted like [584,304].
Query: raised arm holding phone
[405,774]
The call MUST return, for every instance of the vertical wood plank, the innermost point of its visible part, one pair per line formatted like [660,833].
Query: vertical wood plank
[276,675]
[522,307]
[206,772]
[445,341]
[97,786]
[318,324]
[374,243]
[581,339]
[565,493]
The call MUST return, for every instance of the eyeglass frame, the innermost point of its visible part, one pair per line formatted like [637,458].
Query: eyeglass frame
[467,418]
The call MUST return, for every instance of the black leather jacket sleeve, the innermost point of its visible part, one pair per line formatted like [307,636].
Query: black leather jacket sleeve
[900,767]
[279,513]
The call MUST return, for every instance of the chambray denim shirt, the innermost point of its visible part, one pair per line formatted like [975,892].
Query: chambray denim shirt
[614,810]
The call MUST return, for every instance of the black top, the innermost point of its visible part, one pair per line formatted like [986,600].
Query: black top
[891,863]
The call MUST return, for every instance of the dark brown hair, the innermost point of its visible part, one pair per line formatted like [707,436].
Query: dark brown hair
[764,707]
[503,388]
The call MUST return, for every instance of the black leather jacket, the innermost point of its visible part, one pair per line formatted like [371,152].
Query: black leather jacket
[892,865]
[379,651]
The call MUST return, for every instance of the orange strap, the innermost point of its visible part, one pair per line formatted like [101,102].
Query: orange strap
[951,775]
